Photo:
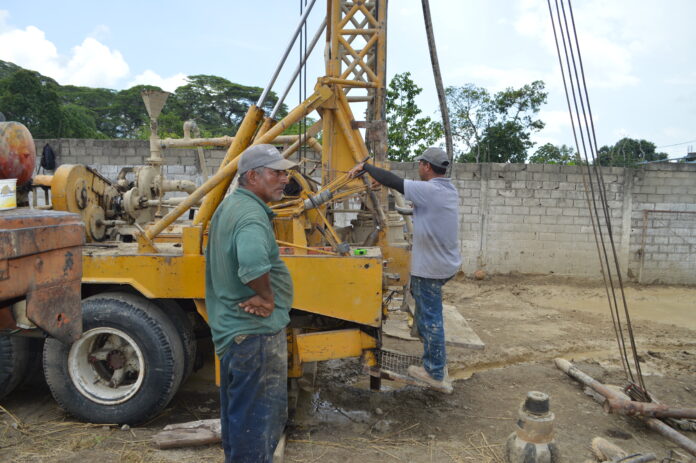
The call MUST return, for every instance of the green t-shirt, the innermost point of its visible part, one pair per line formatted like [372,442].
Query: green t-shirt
[241,248]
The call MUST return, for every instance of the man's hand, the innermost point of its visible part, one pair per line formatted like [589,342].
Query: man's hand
[356,170]
[258,306]
[263,302]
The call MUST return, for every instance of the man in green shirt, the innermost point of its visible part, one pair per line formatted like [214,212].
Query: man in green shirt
[248,294]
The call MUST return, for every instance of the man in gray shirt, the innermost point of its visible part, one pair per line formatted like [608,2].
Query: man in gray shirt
[435,256]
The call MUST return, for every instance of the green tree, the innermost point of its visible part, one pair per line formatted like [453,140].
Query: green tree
[78,122]
[498,127]
[552,154]
[25,98]
[628,152]
[217,104]
[99,104]
[407,133]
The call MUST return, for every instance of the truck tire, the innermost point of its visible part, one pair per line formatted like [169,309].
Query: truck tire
[34,377]
[184,327]
[126,366]
[14,362]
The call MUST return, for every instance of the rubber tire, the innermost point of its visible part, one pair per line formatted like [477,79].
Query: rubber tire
[184,327]
[157,339]
[14,362]
[35,376]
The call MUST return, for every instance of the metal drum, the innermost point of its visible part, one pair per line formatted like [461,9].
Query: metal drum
[17,152]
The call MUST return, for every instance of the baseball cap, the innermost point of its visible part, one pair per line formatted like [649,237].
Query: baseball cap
[263,156]
[435,156]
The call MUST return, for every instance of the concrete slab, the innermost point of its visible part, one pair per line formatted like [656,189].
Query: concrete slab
[458,333]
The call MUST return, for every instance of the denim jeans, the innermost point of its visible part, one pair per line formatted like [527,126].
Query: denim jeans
[254,397]
[427,293]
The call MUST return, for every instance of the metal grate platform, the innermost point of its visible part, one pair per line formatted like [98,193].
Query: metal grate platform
[396,362]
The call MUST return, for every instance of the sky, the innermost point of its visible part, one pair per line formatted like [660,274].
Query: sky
[639,57]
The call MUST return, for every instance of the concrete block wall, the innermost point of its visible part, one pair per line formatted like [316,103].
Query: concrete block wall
[532,218]
[525,218]
[663,220]
[110,156]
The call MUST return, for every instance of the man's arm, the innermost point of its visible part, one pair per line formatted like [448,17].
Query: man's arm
[262,303]
[383,176]
[254,268]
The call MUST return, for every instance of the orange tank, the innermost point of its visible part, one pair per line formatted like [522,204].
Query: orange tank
[17,152]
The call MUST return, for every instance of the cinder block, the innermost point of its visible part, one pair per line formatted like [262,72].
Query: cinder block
[496,184]
[568,186]
[574,178]
[499,210]
[506,193]
[520,210]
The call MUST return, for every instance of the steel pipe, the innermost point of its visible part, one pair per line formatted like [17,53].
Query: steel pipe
[192,142]
[266,91]
[653,423]
[633,408]
[314,41]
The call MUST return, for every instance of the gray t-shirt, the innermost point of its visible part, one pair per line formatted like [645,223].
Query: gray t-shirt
[435,227]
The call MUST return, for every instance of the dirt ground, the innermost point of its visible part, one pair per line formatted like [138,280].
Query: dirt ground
[525,323]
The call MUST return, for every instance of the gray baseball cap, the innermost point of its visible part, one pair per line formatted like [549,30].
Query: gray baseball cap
[435,156]
[263,156]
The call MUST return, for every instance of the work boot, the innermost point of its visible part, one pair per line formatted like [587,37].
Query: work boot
[418,373]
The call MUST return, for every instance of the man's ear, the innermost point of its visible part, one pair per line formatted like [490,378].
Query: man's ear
[251,177]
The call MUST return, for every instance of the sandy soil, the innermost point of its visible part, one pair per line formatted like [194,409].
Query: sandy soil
[525,322]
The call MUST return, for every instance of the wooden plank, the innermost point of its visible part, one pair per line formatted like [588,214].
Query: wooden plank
[202,432]
[458,333]
[185,438]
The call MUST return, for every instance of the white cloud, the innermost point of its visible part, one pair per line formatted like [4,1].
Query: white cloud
[682,79]
[495,79]
[90,63]
[556,121]
[609,39]
[29,48]
[100,32]
[150,77]
[96,65]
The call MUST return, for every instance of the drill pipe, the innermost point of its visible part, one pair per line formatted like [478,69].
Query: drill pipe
[653,423]
[632,408]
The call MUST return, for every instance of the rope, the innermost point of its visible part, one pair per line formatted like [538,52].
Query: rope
[583,125]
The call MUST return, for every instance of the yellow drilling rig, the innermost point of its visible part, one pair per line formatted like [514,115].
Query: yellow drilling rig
[143,262]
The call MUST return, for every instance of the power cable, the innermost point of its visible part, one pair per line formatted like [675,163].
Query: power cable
[676,144]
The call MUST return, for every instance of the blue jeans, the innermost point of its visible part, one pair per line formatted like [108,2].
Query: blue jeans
[254,397]
[427,293]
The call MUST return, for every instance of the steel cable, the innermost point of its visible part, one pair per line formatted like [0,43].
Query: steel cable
[582,123]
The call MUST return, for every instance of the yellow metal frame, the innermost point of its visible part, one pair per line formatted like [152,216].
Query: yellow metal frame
[316,347]
[348,288]
[343,287]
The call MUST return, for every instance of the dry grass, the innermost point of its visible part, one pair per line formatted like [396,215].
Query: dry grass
[58,440]
[474,448]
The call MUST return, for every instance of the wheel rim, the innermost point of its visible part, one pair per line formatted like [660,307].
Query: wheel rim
[106,366]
